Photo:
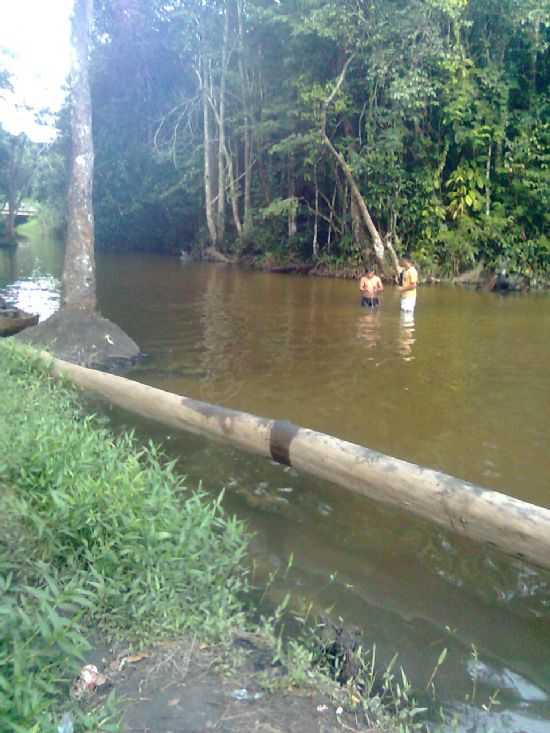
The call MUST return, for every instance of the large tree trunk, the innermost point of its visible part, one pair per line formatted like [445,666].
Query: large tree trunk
[76,330]
[79,268]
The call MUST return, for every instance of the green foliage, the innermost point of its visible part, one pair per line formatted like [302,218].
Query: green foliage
[41,644]
[156,559]
[280,207]
[442,119]
[97,505]
[49,186]
[94,531]
[464,185]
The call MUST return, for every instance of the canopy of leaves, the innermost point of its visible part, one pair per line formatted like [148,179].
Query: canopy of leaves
[442,119]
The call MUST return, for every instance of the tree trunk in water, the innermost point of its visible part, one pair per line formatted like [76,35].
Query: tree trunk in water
[79,288]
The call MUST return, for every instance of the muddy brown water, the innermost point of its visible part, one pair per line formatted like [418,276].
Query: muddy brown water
[464,389]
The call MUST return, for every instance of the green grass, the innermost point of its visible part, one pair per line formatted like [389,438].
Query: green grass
[100,529]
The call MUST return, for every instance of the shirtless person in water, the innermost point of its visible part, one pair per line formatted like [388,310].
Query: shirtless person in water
[370,286]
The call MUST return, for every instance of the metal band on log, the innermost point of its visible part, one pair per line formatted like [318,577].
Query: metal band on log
[515,527]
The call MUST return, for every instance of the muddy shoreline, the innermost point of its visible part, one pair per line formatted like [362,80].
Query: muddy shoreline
[186,686]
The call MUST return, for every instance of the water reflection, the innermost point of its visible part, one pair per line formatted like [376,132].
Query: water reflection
[369,328]
[406,336]
[30,274]
[37,294]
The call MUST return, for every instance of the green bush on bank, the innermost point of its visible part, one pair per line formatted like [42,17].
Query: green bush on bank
[107,527]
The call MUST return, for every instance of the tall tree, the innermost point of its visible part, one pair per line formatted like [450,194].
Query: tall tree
[77,332]
[79,285]
[435,140]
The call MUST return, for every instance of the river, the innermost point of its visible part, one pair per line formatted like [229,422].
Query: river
[465,389]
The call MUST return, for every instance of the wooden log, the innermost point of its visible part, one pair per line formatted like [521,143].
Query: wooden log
[515,527]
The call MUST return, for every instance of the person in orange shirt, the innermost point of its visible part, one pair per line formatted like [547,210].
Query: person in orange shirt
[408,280]
[370,287]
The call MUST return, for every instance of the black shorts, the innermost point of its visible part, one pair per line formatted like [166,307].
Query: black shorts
[370,302]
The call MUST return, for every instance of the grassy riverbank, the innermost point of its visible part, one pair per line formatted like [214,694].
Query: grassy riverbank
[101,539]
[100,525]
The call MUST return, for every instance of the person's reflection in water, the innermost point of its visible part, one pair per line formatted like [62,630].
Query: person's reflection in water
[406,336]
[368,329]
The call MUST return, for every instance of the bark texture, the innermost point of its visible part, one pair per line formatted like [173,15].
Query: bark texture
[79,267]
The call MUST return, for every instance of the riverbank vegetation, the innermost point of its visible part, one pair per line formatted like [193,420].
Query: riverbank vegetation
[325,131]
[100,538]
[95,526]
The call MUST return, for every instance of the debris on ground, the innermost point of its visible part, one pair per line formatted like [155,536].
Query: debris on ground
[244,695]
[89,680]
[186,686]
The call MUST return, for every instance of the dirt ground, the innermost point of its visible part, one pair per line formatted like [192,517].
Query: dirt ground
[182,687]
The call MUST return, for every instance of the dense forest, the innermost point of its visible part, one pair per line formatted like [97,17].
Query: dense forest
[322,131]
